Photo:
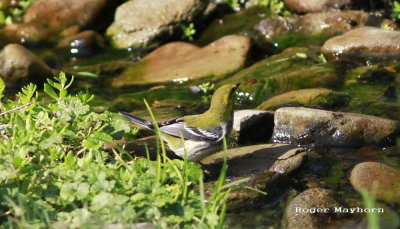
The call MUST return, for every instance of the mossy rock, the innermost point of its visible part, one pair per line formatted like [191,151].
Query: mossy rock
[314,97]
[284,72]
[239,23]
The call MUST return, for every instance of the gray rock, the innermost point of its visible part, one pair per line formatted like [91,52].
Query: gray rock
[256,159]
[253,125]
[308,6]
[18,64]
[307,126]
[364,43]
[139,22]
[379,178]
[298,213]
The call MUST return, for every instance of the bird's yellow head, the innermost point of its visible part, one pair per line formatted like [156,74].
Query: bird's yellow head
[223,100]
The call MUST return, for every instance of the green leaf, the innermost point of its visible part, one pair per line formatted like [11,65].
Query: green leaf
[50,91]
[70,160]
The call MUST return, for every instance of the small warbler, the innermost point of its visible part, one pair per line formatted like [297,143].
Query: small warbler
[197,135]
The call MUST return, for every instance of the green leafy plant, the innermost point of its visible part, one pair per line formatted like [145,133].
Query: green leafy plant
[396,10]
[57,168]
[188,32]
[14,13]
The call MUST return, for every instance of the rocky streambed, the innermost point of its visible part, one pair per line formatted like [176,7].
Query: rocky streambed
[318,110]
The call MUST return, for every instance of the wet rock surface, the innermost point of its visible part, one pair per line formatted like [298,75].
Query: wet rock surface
[253,125]
[377,178]
[364,43]
[269,178]
[182,61]
[254,158]
[297,213]
[82,44]
[138,22]
[309,6]
[312,126]
[18,64]
[315,97]
[312,28]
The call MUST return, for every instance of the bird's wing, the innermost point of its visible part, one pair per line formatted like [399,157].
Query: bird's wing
[177,128]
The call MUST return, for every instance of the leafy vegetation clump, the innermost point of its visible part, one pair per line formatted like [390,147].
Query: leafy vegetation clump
[56,172]
[13,11]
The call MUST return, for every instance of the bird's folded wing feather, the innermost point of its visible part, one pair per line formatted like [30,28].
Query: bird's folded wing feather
[178,128]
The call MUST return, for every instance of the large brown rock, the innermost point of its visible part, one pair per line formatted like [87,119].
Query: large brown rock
[18,64]
[309,6]
[139,22]
[364,43]
[306,126]
[377,178]
[184,61]
[59,14]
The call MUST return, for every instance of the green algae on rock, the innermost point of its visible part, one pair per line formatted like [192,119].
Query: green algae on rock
[181,61]
[314,97]
[285,72]
[240,23]
[377,178]
[370,88]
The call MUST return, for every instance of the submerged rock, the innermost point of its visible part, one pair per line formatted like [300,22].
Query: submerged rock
[320,127]
[27,33]
[82,44]
[240,23]
[314,97]
[379,178]
[18,64]
[364,43]
[313,208]
[253,125]
[308,6]
[139,22]
[254,159]
[372,91]
[181,61]
[270,177]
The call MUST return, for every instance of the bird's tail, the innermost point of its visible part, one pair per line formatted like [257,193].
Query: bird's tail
[142,122]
